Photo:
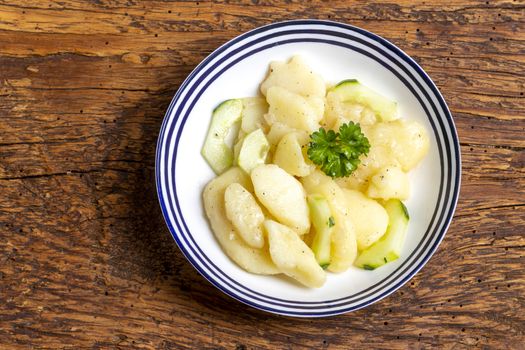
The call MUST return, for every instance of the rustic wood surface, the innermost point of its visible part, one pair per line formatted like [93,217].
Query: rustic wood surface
[86,260]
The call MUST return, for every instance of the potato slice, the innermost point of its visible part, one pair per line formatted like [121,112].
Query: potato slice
[413,143]
[289,155]
[368,117]
[314,180]
[294,76]
[292,109]
[250,259]
[379,156]
[389,182]
[252,117]
[282,195]
[344,244]
[245,214]
[406,141]
[277,132]
[369,217]
[317,104]
[338,112]
[292,256]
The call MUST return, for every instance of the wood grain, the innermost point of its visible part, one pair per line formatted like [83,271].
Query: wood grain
[86,261]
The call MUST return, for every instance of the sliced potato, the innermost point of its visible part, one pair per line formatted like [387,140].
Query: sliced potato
[282,195]
[308,238]
[406,141]
[355,181]
[292,256]
[368,117]
[389,182]
[294,76]
[369,217]
[250,259]
[379,156]
[338,112]
[333,111]
[289,155]
[413,143]
[344,244]
[276,133]
[317,104]
[245,214]
[278,130]
[292,109]
[314,180]
[252,117]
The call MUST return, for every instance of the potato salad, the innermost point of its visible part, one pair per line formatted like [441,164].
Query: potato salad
[315,177]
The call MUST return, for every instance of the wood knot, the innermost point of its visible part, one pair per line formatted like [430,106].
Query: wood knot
[131,57]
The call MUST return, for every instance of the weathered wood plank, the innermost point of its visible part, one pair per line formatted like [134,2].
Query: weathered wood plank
[86,261]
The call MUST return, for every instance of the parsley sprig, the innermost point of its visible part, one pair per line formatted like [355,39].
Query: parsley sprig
[337,153]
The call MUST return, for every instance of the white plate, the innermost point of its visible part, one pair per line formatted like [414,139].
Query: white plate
[336,51]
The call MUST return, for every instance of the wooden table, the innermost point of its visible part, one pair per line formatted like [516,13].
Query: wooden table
[86,260]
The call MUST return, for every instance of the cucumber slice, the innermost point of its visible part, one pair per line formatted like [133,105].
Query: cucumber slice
[237,146]
[389,247]
[215,150]
[253,151]
[352,90]
[323,222]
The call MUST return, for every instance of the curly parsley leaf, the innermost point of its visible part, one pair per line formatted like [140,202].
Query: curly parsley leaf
[337,154]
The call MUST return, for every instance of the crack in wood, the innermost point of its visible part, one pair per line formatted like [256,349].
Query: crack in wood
[503,206]
[70,172]
[481,145]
